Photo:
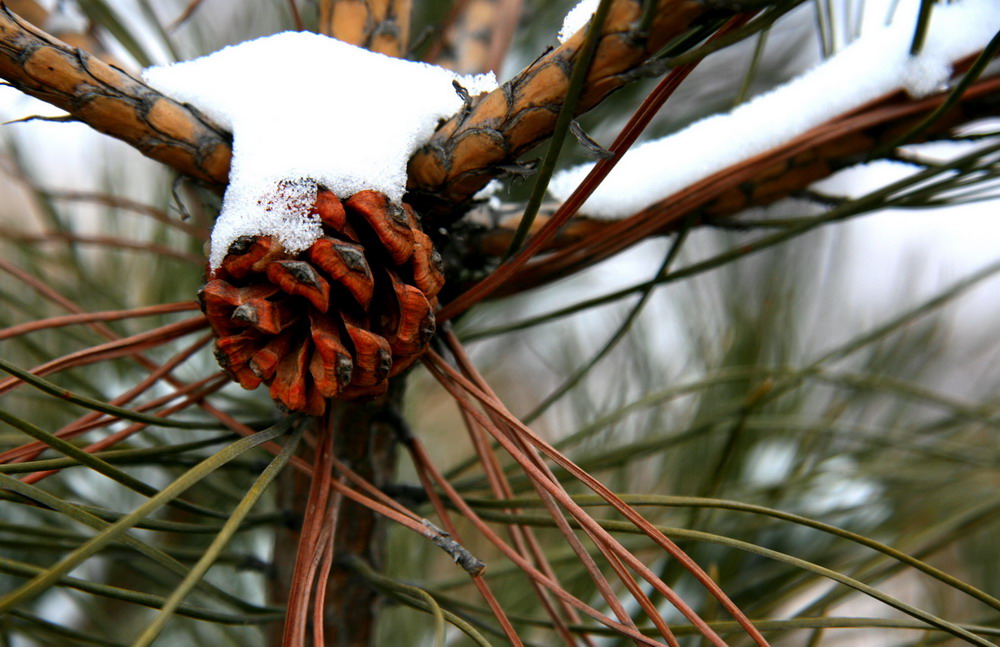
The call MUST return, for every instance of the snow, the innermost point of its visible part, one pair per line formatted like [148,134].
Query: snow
[577,18]
[306,109]
[876,63]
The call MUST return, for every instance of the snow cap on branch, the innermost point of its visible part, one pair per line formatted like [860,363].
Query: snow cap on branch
[875,64]
[305,109]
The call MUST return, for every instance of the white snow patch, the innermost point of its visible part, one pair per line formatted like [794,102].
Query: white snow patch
[305,109]
[488,191]
[875,64]
[577,18]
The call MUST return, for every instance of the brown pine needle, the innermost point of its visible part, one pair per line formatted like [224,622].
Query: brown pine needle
[523,538]
[526,566]
[421,462]
[90,317]
[111,242]
[123,347]
[442,369]
[201,389]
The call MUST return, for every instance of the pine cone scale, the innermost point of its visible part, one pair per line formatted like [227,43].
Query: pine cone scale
[335,321]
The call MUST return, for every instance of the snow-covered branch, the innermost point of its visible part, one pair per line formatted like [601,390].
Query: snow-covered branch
[458,160]
[111,101]
[464,154]
[875,64]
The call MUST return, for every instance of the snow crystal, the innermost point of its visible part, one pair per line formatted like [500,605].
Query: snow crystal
[877,63]
[305,109]
[577,18]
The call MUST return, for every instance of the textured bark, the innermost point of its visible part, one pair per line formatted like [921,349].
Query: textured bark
[461,157]
[464,153]
[793,173]
[111,101]
[378,25]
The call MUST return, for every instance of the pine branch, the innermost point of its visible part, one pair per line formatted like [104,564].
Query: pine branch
[755,182]
[464,153]
[112,102]
[461,157]
[782,172]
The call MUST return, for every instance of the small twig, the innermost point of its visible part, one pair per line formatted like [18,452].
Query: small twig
[588,142]
[60,119]
[472,564]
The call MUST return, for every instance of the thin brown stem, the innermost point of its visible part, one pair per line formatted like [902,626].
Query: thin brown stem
[526,566]
[96,420]
[111,242]
[524,539]
[120,348]
[89,317]
[315,533]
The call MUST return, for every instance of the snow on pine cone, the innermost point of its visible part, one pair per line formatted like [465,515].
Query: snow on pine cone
[335,321]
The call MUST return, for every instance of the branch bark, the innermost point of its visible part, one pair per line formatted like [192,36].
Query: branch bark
[111,101]
[444,174]
[464,153]
[368,445]
[365,442]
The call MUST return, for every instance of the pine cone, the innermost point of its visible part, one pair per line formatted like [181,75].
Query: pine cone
[335,321]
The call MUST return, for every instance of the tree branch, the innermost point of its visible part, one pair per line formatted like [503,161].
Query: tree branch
[446,172]
[464,153]
[112,102]
[758,181]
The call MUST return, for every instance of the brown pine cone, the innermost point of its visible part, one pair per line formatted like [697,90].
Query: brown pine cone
[335,321]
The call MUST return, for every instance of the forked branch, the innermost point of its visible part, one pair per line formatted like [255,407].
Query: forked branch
[464,154]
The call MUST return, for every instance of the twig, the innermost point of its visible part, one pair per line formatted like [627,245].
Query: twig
[472,564]
[461,156]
